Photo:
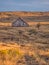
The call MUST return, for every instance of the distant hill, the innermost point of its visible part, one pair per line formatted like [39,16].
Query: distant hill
[6,14]
[27,16]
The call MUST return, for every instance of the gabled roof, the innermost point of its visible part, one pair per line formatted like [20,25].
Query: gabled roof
[20,22]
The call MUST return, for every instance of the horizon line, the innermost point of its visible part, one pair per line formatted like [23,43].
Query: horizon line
[24,11]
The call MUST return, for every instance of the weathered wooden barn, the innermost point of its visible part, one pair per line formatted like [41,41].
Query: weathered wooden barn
[20,23]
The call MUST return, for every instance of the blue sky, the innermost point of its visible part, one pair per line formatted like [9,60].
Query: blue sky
[24,5]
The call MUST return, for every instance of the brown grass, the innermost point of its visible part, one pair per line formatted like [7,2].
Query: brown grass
[24,45]
[10,54]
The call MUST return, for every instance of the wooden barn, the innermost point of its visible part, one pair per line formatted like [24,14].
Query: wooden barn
[20,23]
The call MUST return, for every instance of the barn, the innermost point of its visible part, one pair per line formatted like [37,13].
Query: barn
[20,23]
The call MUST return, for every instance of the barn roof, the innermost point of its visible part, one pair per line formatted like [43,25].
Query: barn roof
[19,21]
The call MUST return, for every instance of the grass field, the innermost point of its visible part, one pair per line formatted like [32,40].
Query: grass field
[24,45]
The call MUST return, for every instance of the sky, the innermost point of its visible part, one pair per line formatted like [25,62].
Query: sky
[24,5]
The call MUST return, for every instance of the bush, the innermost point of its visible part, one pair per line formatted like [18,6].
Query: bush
[32,31]
[38,25]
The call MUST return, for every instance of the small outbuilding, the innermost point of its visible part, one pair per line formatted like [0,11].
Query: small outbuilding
[20,23]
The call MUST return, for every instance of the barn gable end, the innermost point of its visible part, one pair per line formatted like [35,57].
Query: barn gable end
[20,23]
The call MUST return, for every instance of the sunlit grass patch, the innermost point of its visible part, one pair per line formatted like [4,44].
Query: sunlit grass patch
[10,54]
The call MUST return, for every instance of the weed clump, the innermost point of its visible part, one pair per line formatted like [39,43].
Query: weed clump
[32,31]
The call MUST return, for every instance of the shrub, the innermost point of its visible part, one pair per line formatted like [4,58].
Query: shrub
[38,25]
[32,31]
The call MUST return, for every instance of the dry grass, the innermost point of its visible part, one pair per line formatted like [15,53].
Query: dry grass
[11,54]
[24,45]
